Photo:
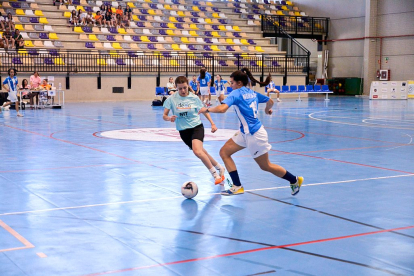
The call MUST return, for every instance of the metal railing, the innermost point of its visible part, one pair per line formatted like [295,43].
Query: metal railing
[297,26]
[166,62]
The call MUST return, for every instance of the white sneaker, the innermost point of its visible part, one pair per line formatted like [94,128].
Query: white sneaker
[279,100]
[20,115]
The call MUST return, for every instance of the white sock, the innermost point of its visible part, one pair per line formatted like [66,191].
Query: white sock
[214,172]
[219,167]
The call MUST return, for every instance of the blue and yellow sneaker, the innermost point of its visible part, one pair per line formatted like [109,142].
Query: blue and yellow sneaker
[233,190]
[296,186]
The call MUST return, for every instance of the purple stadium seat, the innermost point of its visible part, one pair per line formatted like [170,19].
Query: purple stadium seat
[87,29]
[207,55]
[256,11]
[89,45]
[284,3]
[208,40]
[43,36]
[162,32]
[198,63]
[254,6]
[49,61]
[177,2]
[216,9]
[236,5]
[142,18]
[132,54]
[33,52]
[223,21]
[164,25]
[222,63]
[15,5]
[136,38]
[76,2]
[140,24]
[16,60]
[151,46]
[110,38]
[194,20]
[251,17]
[120,61]
[196,3]
[236,11]
[203,9]
[180,19]
[153,39]
[251,42]
[229,48]
[34,20]
[215,27]
[195,14]
[166,54]
[88,9]
[53,52]
[275,63]
[237,63]
[144,11]
[192,47]
[112,30]
[208,34]
[153,6]
[279,8]
[179,26]
[253,63]
[266,2]
[236,34]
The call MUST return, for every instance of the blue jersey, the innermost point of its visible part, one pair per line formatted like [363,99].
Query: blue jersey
[271,85]
[220,85]
[193,85]
[186,109]
[11,83]
[204,82]
[246,103]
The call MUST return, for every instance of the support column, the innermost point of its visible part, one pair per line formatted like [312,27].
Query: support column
[370,44]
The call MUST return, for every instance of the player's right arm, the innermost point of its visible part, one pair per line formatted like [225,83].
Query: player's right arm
[168,118]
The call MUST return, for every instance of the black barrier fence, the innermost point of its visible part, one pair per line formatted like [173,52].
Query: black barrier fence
[133,62]
[296,26]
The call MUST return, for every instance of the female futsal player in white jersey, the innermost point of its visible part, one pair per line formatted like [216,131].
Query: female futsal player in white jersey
[185,107]
[252,134]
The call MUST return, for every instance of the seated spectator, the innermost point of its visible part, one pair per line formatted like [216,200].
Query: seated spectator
[45,85]
[128,12]
[108,17]
[82,17]
[18,40]
[119,11]
[271,87]
[89,18]
[2,22]
[74,19]
[99,19]
[8,40]
[125,21]
[25,91]
[119,21]
[10,21]
[171,86]
[35,82]
[103,9]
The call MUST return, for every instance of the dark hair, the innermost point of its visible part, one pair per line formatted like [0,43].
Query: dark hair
[24,86]
[203,73]
[240,76]
[36,72]
[14,69]
[253,80]
[181,80]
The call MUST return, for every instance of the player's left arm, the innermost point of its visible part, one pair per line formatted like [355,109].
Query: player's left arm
[213,125]
[216,109]
[269,103]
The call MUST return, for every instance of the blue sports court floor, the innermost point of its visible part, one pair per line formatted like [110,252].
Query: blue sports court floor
[76,202]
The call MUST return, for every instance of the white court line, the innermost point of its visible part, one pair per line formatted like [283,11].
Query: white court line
[174,197]
[411,140]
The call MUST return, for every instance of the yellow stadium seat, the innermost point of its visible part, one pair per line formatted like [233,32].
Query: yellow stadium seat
[28,43]
[167,7]
[122,31]
[59,61]
[285,8]
[289,3]
[43,20]
[145,38]
[190,54]
[20,12]
[78,29]
[80,8]
[130,4]
[195,8]
[152,12]
[148,1]
[259,49]
[193,26]
[215,34]
[53,36]
[208,21]
[38,13]
[116,45]
[193,33]
[135,17]
[23,52]
[209,4]
[214,48]
[279,13]
[176,47]
[180,13]
[113,10]
[173,62]
[171,26]
[67,14]
[19,27]
[170,32]
[222,28]
[185,40]
[101,61]
[172,19]
[216,15]
[229,41]
[260,63]
[236,28]
[244,41]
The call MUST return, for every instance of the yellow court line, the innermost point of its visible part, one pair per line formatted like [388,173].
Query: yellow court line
[19,237]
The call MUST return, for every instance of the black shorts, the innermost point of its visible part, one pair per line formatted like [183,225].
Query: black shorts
[188,135]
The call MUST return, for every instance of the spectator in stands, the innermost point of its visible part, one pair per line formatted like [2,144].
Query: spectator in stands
[35,82]
[10,21]
[204,84]
[82,17]
[193,85]
[25,91]
[271,87]
[125,21]
[128,12]
[8,39]
[2,22]
[171,86]
[119,21]
[12,86]
[220,87]
[74,19]
[99,19]
[103,9]
[89,18]
[119,11]
[18,40]
[108,16]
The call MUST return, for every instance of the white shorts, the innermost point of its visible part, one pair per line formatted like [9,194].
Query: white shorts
[204,91]
[220,92]
[257,144]
[12,96]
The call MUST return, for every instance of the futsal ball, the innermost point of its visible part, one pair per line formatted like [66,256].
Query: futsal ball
[189,189]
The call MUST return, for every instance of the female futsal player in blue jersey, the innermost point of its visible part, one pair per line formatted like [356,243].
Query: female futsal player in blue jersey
[185,107]
[252,134]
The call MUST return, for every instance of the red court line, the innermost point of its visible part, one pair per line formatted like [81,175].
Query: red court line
[284,141]
[16,235]
[340,161]
[250,251]
[94,149]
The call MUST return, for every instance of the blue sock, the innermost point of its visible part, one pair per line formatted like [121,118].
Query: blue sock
[290,177]
[235,177]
